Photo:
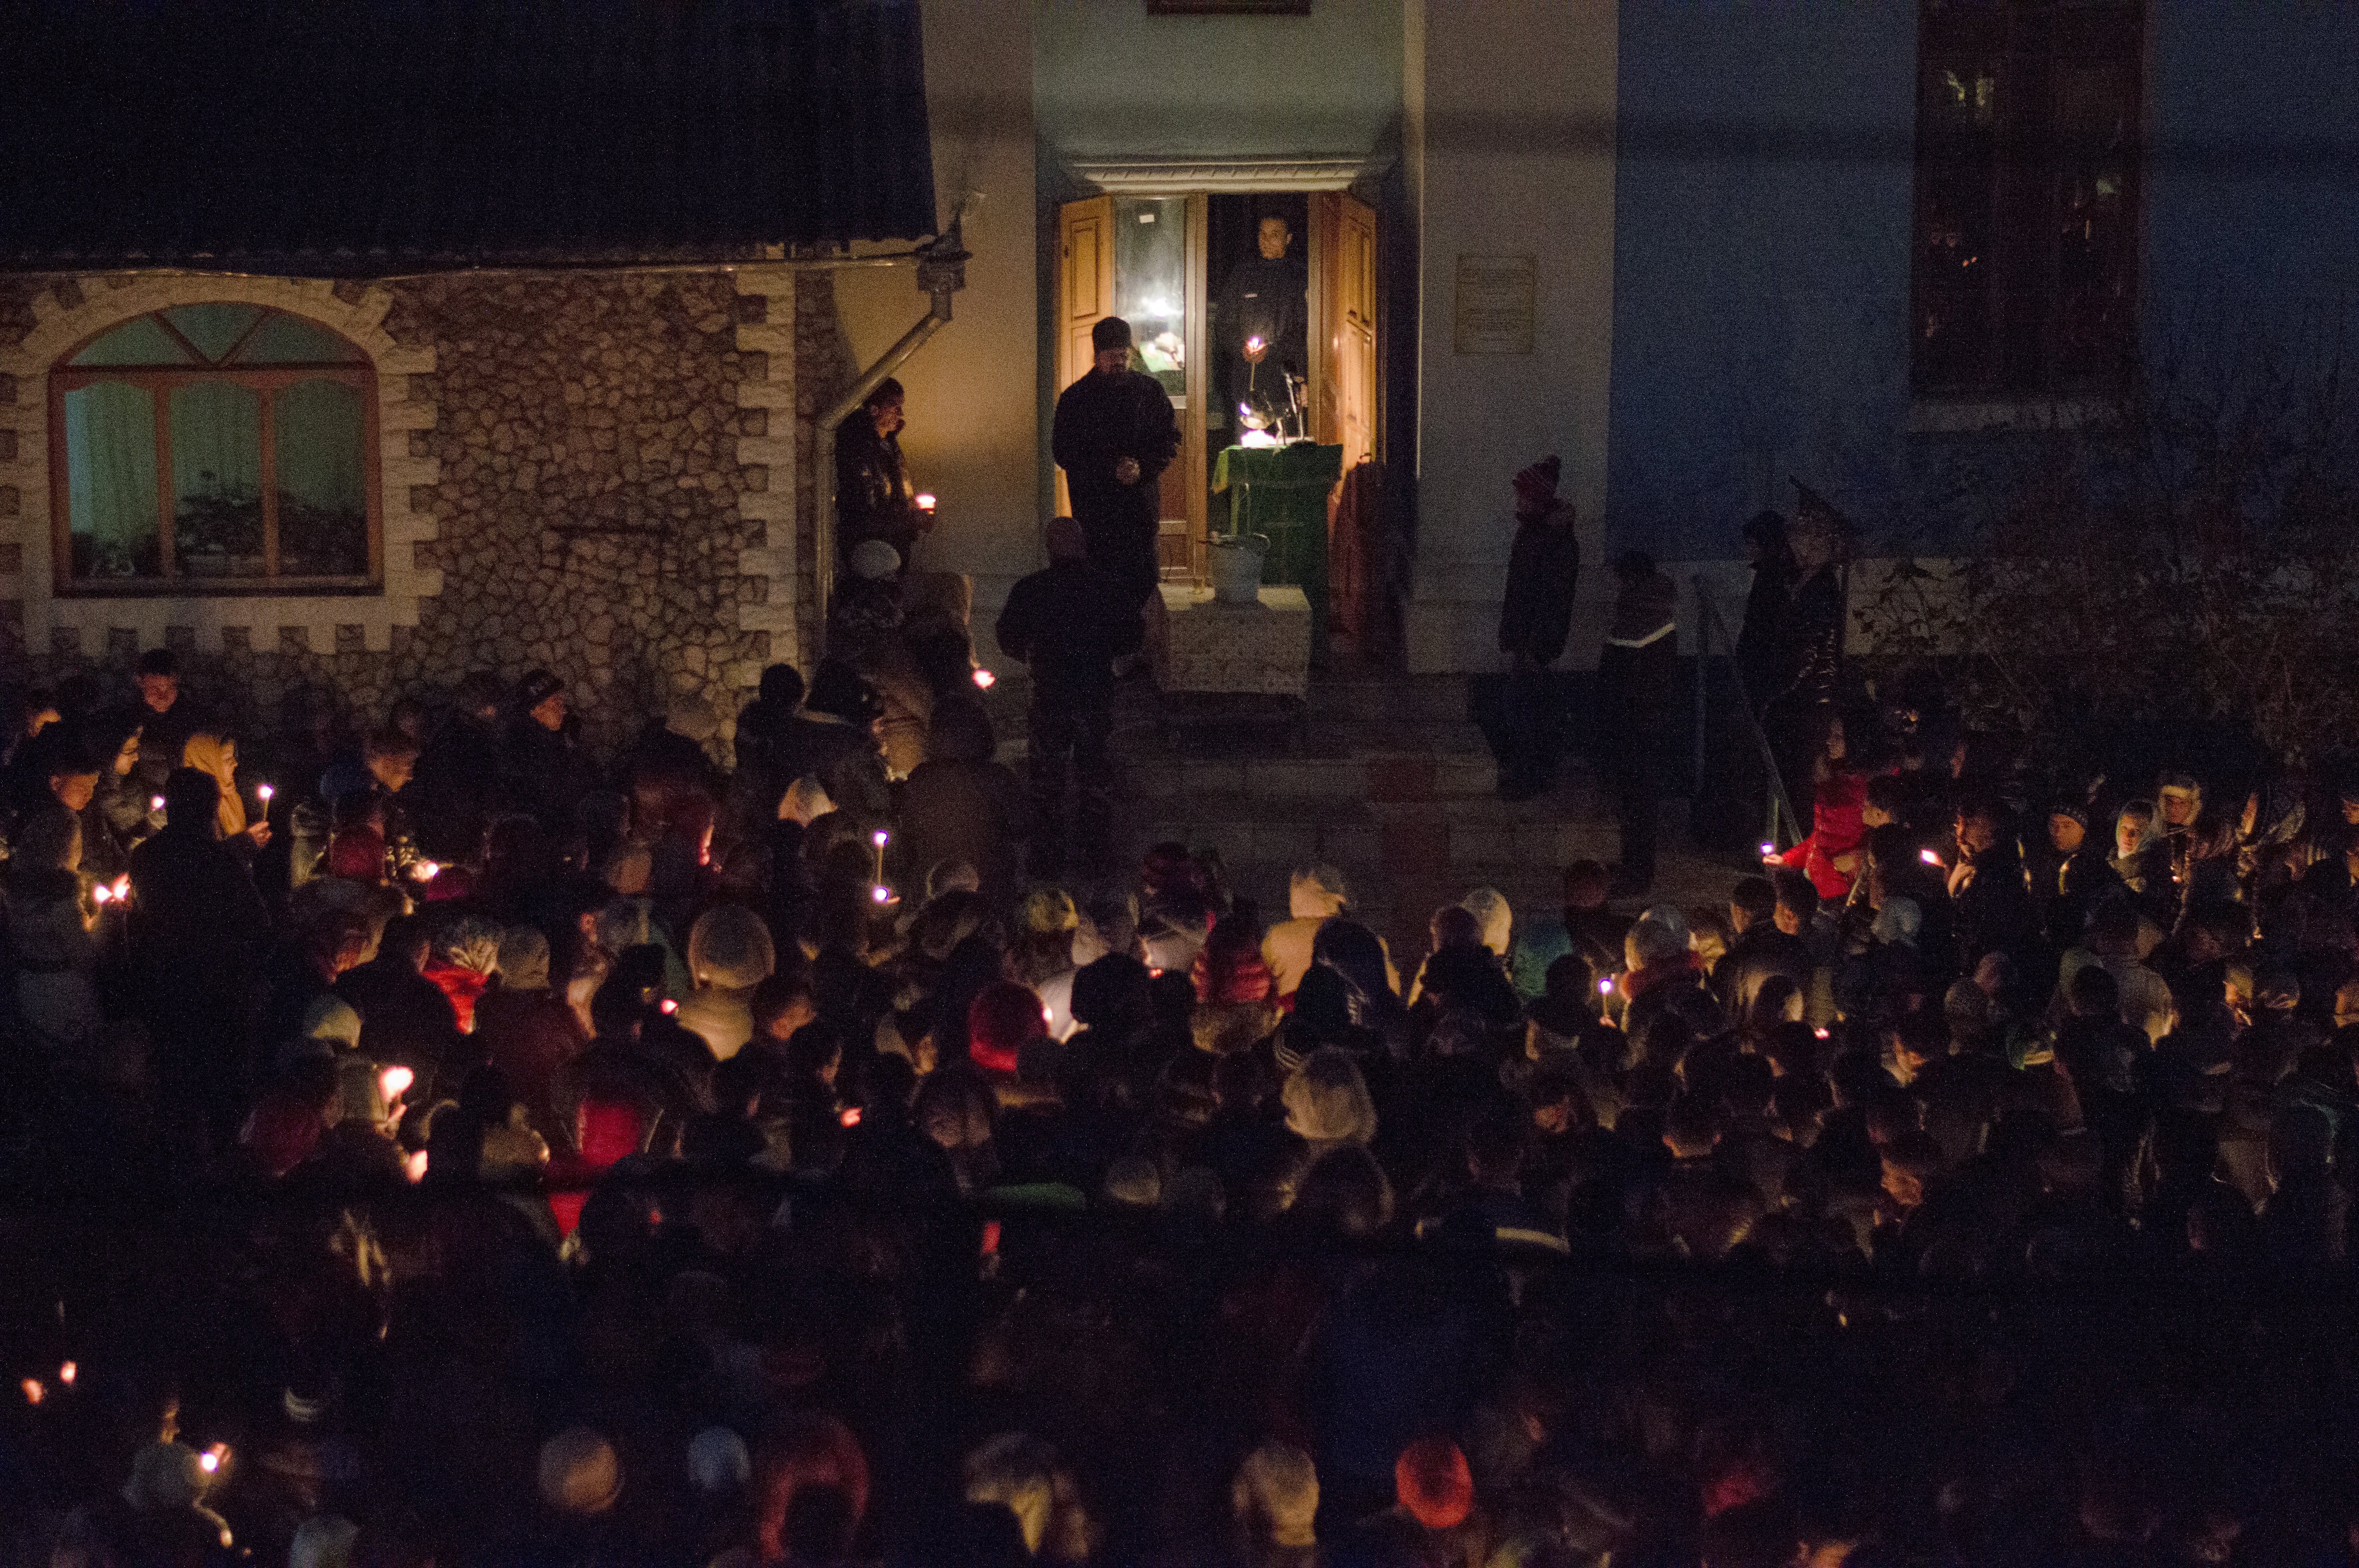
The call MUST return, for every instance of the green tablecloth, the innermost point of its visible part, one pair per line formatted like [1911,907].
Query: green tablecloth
[1282,491]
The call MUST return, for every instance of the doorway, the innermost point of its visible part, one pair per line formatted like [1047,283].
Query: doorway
[1165,260]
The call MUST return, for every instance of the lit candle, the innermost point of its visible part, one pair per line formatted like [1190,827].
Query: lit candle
[1931,857]
[427,870]
[668,1006]
[1605,988]
[396,1081]
[101,893]
[1767,848]
[67,1373]
[155,802]
[881,893]
[263,794]
[984,680]
[925,501]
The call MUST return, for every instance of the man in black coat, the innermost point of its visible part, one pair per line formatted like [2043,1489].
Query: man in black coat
[1068,623]
[1637,680]
[1114,435]
[873,497]
[1535,615]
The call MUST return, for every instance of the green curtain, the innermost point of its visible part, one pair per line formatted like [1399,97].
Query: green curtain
[322,480]
[111,480]
[217,478]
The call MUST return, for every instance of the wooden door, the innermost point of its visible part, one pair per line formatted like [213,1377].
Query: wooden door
[1343,321]
[1084,293]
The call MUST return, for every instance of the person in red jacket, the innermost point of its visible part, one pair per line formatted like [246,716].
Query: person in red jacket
[1830,856]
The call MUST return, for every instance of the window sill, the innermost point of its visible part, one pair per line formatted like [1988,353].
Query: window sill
[1967,416]
[222,588]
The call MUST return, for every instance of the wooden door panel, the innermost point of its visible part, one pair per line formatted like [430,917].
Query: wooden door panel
[1084,293]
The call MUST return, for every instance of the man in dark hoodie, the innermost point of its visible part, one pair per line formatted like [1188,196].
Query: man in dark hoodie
[1543,567]
[1637,680]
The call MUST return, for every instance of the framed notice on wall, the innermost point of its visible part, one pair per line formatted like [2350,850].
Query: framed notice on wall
[1498,299]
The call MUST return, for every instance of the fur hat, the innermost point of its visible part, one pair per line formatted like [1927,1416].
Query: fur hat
[524,958]
[579,1472]
[330,1018]
[1327,1101]
[729,946]
[1278,1483]
[1434,1483]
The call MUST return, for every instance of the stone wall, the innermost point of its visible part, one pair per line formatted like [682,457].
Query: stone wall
[599,463]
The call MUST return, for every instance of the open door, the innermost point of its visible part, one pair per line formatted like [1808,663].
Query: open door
[1343,324]
[1084,293]
[1344,408]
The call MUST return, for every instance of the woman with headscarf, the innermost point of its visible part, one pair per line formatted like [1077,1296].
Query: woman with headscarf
[216,756]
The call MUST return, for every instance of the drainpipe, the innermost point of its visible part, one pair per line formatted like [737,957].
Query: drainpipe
[942,272]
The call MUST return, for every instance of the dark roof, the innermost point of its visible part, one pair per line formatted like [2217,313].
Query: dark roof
[374,137]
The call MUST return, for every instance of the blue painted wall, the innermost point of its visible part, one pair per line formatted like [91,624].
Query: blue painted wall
[1763,199]
[2253,189]
[1761,223]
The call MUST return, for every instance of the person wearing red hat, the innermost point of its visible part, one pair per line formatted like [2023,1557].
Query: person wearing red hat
[1535,615]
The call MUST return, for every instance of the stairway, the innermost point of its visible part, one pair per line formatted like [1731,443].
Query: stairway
[1383,776]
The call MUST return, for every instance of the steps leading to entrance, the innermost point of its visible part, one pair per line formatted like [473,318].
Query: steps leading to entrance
[1386,778]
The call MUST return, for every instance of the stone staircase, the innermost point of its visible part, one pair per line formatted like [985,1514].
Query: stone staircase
[1383,776]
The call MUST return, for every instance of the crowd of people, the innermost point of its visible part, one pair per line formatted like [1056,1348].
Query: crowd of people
[429,1141]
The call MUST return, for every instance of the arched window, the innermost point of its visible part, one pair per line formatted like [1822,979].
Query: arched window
[215,448]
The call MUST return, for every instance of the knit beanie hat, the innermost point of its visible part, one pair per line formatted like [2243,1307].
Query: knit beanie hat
[536,688]
[1002,1017]
[717,1460]
[872,560]
[1279,1482]
[1535,486]
[1434,1483]
[579,1472]
[358,853]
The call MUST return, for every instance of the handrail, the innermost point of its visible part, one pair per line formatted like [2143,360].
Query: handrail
[1708,618]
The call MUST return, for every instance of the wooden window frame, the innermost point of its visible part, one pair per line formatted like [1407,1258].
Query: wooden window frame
[159,382]
[2025,45]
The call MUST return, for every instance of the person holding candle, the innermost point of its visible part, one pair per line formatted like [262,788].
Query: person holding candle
[874,497]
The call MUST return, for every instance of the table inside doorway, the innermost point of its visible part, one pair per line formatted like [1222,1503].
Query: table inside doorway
[1281,491]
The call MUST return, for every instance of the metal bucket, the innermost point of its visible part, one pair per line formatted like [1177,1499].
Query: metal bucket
[1234,563]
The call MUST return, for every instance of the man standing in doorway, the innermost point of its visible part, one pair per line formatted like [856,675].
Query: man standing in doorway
[1114,435]
[1263,320]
